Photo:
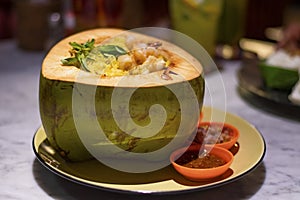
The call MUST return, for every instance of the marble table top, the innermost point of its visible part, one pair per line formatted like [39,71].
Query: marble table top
[23,177]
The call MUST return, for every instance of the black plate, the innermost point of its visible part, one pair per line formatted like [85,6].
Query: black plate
[253,90]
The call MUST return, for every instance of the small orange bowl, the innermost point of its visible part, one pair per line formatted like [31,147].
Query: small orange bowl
[227,138]
[200,174]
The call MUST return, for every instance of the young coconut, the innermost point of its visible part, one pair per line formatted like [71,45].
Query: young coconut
[137,70]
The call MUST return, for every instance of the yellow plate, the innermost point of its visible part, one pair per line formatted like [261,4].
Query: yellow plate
[92,173]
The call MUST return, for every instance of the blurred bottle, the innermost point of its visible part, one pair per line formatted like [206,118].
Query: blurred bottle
[56,29]
[156,14]
[6,19]
[69,18]
[32,18]
[113,11]
[231,28]
[126,14]
[232,21]
[86,12]
[198,19]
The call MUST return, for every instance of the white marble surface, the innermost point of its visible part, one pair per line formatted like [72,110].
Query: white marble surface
[23,177]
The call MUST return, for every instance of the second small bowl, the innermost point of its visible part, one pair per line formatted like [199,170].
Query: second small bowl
[227,138]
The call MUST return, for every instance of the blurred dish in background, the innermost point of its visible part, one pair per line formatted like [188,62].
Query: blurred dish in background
[253,90]
[261,48]
[294,96]
[271,75]
[274,33]
[280,70]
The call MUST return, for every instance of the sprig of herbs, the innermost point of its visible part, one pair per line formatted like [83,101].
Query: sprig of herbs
[78,53]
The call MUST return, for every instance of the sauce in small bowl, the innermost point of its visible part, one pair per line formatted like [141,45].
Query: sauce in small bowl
[216,133]
[191,166]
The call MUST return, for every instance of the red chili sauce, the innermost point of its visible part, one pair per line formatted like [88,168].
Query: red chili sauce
[213,134]
[191,159]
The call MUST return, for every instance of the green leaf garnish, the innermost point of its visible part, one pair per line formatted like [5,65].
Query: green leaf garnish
[82,55]
[72,61]
[78,53]
[112,50]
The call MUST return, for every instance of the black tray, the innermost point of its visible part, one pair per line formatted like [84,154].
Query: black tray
[254,91]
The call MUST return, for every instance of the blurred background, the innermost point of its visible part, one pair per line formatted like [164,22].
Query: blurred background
[38,24]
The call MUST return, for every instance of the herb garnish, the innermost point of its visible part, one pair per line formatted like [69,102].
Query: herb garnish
[78,53]
[112,50]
